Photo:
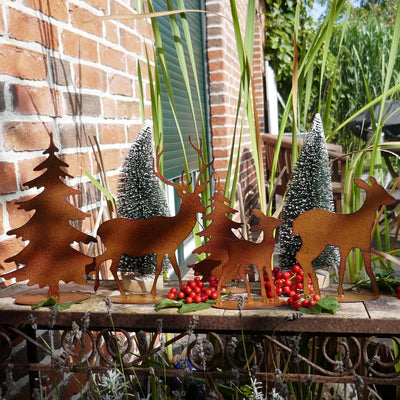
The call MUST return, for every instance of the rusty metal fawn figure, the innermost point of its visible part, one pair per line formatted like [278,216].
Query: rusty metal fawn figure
[320,228]
[160,234]
[244,252]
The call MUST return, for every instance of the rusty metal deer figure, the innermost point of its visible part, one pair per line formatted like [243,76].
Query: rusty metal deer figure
[160,235]
[320,228]
[245,252]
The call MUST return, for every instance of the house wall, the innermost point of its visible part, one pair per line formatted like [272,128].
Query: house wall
[64,71]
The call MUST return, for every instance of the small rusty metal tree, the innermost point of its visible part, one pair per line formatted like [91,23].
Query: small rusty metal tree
[48,258]
[219,229]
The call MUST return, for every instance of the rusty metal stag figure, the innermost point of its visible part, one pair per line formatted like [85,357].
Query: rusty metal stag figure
[244,252]
[160,234]
[320,228]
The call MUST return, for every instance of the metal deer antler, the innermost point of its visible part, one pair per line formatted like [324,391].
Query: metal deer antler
[320,228]
[160,235]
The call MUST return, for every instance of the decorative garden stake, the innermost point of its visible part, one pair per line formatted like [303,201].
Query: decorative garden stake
[310,187]
[48,257]
[243,253]
[160,235]
[319,228]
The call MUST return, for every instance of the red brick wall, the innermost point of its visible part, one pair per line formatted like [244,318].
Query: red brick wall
[64,71]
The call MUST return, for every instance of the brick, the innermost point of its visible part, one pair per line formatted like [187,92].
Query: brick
[90,77]
[2,30]
[22,63]
[26,136]
[109,107]
[121,85]
[112,159]
[131,66]
[9,248]
[112,31]
[8,182]
[85,104]
[76,163]
[119,9]
[112,133]
[18,216]
[60,72]
[112,58]
[85,20]
[30,29]
[128,109]
[36,100]
[76,135]
[131,42]
[101,5]
[26,172]
[79,46]
[133,130]
[54,8]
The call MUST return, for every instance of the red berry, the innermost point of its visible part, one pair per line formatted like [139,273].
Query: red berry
[192,284]
[214,295]
[286,275]
[183,288]
[296,268]
[286,289]
[290,301]
[181,295]
[292,293]
[208,292]
[197,290]
[317,297]
[189,300]
[204,298]
[173,290]
[197,279]
[297,296]
[305,303]
[311,303]
[398,289]
[171,296]
[197,299]
[288,282]
[279,282]
[300,286]
[276,270]
[298,278]
[278,291]
[270,294]
[297,304]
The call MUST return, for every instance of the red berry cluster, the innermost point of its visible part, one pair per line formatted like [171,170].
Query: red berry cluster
[398,291]
[290,284]
[195,291]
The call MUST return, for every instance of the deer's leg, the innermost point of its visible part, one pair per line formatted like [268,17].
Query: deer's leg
[269,273]
[114,270]
[242,274]
[175,265]
[262,287]
[219,285]
[304,258]
[367,262]
[342,269]
[159,264]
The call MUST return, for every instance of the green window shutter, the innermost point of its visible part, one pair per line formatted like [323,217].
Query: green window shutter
[173,160]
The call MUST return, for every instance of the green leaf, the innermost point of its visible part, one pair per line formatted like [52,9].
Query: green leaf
[327,304]
[196,306]
[51,301]
[167,303]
